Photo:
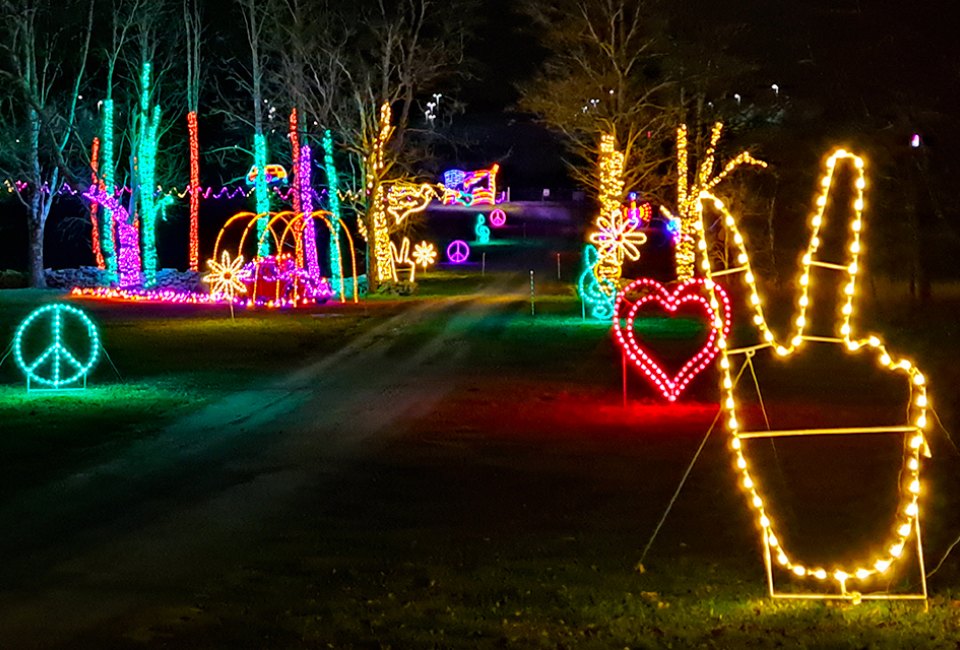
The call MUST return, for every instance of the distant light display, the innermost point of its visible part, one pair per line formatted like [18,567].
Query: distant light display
[458,251]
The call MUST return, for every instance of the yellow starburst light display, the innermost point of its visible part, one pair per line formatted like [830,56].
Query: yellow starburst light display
[906,525]
[222,277]
[425,254]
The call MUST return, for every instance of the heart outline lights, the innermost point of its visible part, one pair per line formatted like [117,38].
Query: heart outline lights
[716,307]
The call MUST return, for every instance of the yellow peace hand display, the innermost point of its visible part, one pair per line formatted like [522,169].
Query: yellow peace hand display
[840,335]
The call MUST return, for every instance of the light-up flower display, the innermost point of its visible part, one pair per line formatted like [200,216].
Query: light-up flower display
[617,238]
[223,276]
[424,254]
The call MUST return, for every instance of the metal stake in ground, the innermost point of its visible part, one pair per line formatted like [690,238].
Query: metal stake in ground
[533,310]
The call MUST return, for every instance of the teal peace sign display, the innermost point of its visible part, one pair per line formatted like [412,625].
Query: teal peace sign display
[43,352]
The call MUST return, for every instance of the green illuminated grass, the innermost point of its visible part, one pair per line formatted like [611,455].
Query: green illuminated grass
[159,363]
[451,535]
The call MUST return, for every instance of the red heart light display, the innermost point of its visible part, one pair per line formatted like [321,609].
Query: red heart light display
[688,292]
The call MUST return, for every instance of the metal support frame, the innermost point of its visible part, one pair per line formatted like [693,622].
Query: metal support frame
[851,596]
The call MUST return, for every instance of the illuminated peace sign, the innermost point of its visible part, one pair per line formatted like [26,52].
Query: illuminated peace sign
[458,251]
[55,365]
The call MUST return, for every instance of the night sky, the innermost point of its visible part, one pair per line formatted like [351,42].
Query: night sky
[867,70]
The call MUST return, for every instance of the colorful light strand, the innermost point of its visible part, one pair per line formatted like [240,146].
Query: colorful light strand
[309,229]
[225,192]
[193,131]
[128,238]
[107,241]
[333,187]
[94,225]
[295,157]
[145,167]
[260,189]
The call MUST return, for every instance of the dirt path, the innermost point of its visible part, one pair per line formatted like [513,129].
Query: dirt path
[136,534]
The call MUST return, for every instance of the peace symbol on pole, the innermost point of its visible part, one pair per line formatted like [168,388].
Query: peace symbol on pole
[57,365]
[458,251]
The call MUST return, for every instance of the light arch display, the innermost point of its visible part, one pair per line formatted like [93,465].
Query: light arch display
[290,236]
[907,524]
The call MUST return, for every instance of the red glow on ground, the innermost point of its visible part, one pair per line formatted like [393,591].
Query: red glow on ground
[559,411]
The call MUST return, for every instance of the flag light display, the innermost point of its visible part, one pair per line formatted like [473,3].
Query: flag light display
[468,188]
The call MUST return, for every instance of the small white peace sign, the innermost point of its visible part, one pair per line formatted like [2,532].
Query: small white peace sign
[63,366]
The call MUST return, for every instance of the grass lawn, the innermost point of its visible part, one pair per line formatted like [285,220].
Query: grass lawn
[162,361]
[514,513]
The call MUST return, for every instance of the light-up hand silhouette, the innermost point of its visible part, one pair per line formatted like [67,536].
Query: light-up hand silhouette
[815,269]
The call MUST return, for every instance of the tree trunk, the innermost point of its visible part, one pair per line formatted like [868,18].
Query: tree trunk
[37,213]
[36,228]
